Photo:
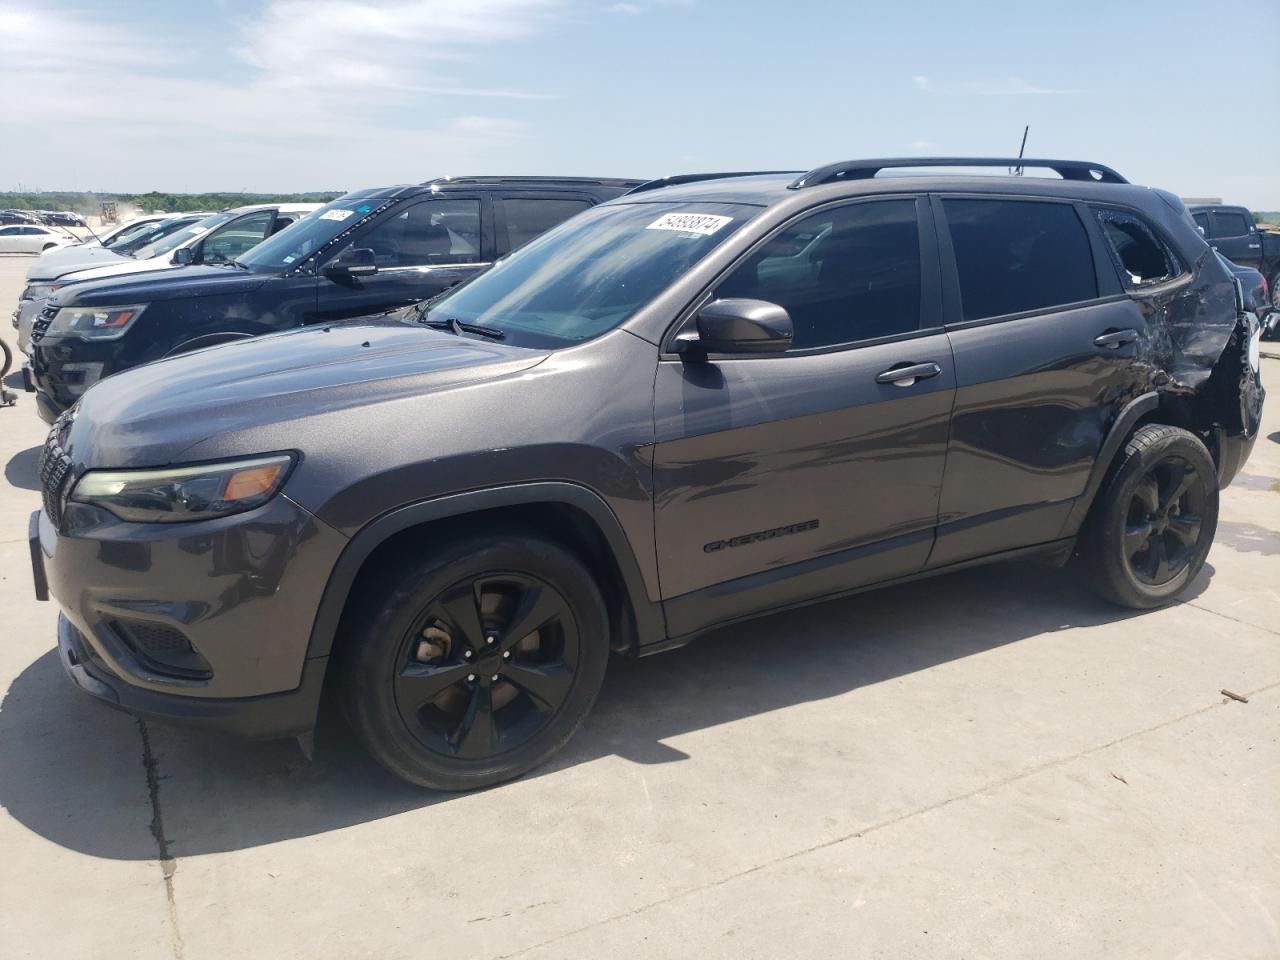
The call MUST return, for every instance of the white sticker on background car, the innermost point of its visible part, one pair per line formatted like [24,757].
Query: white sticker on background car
[703,224]
[336,214]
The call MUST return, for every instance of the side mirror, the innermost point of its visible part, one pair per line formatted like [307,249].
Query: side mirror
[356,262]
[735,325]
[182,256]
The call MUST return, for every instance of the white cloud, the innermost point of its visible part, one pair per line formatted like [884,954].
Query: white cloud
[1004,87]
[327,93]
[305,42]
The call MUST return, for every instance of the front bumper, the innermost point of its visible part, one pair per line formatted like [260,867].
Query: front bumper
[236,596]
[288,714]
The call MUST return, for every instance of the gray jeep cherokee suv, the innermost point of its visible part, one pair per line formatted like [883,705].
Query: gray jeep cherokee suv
[716,396]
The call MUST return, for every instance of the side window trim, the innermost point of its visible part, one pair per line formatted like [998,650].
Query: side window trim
[953,312]
[931,287]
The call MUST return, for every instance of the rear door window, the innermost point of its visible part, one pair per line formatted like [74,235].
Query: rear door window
[1202,221]
[1229,224]
[1017,256]
[1142,258]
[530,217]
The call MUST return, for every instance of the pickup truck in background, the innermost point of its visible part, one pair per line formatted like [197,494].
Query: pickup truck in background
[1234,234]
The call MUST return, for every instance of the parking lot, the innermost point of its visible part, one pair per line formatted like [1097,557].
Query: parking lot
[989,764]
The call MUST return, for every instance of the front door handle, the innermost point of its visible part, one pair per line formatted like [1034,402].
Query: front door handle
[1114,339]
[906,374]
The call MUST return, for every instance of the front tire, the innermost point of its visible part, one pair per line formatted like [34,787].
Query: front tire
[471,666]
[1154,520]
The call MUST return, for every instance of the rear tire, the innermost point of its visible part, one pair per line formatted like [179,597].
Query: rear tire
[471,666]
[1154,520]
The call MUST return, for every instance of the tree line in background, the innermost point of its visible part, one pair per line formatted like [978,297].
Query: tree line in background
[91,203]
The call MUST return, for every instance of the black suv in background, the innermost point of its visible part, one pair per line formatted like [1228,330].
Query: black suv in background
[366,252]
[699,402]
[1233,232]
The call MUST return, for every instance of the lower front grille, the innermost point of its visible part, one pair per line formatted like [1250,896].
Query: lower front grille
[163,649]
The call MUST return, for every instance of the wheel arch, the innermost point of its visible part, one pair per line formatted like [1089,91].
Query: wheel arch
[1137,411]
[573,515]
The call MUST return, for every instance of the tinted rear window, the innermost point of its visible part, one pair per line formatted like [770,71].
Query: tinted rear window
[1229,224]
[530,217]
[1014,256]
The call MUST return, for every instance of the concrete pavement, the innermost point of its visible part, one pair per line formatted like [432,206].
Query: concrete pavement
[990,764]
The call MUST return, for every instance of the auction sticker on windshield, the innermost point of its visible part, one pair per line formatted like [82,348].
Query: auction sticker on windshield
[704,224]
[336,214]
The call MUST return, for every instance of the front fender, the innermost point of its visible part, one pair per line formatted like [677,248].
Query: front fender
[650,625]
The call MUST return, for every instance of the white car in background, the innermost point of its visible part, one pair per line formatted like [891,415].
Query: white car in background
[30,238]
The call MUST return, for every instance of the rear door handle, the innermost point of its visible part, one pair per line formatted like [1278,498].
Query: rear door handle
[1114,339]
[906,374]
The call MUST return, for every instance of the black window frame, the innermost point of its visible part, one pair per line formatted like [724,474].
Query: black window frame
[1108,283]
[498,199]
[1181,270]
[930,284]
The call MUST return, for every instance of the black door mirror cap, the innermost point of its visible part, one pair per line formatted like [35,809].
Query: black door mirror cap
[739,325]
[183,256]
[351,264]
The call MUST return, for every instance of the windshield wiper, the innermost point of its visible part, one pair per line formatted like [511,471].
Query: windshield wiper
[458,327]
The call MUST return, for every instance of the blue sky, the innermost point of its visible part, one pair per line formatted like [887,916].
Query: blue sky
[337,94]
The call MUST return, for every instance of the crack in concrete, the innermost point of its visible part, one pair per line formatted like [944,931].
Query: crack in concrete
[884,824]
[1227,616]
[168,864]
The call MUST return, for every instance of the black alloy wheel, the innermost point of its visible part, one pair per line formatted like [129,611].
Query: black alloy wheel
[466,665]
[486,665]
[1165,521]
[1151,525]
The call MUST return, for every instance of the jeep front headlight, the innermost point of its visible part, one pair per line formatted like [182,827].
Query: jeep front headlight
[180,494]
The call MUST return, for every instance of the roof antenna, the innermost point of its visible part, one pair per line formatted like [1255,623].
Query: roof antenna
[1017,171]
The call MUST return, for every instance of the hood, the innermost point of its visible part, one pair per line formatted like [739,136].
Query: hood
[119,267]
[63,260]
[150,285]
[150,415]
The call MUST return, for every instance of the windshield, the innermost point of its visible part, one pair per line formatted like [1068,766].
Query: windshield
[298,241]
[148,233]
[593,272]
[174,240]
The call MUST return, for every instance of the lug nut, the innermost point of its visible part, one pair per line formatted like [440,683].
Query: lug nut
[471,678]
[466,655]
[495,678]
[507,655]
[491,641]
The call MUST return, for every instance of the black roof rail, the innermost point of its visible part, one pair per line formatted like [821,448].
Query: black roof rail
[590,181]
[866,169]
[696,177]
